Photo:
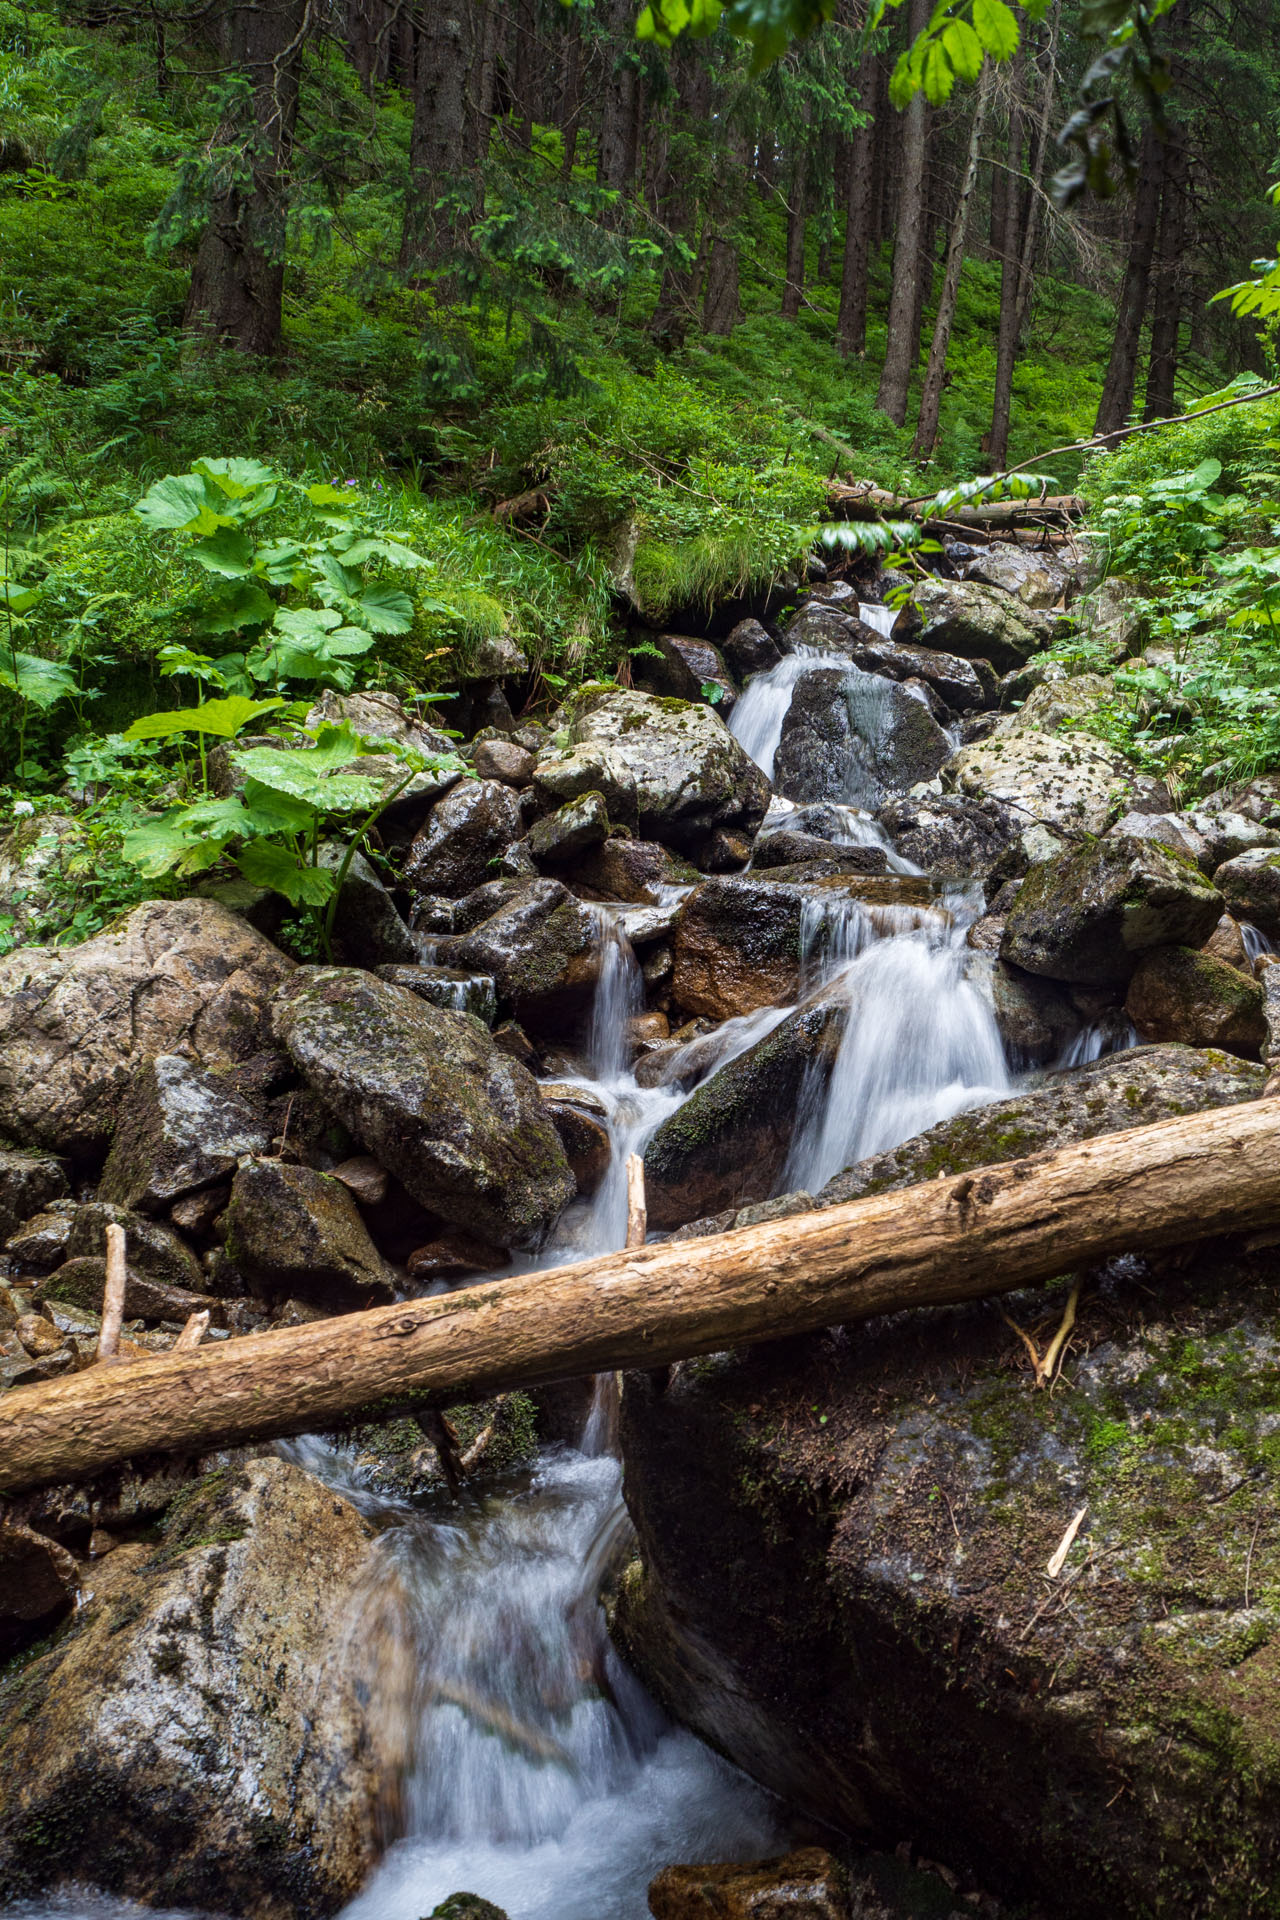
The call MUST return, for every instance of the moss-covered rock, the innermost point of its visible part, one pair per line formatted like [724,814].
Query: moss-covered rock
[844,1586]
[1086,919]
[541,947]
[295,1233]
[1179,994]
[1250,885]
[977,622]
[180,1129]
[855,737]
[465,834]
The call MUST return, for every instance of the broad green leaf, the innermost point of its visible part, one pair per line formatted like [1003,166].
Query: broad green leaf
[308,624]
[267,811]
[363,550]
[18,599]
[42,682]
[223,719]
[326,496]
[996,27]
[1206,473]
[278,561]
[264,864]
[244,605]
[315,774]
[186,839]
[939,78]
[179,500]
[385,609]
[237,478]
[228,552]
[964,49]
[344,580]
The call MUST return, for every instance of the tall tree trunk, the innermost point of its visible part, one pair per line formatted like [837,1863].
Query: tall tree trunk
[1122,368]
[851,321]
[721,307]
[797,215]
[570,92]
[237,282]
[903,337]
[935,372]
[1166,306]
[484,92]
[676,205]
[1008,199]
[616,156]
[442,124]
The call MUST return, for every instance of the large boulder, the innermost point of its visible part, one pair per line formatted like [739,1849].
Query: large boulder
[1067,783]
[950,835]
[175,976]
[1178,994]
[689,665]
[29,1182]
[1032,576]
[809,1884]
[728,1143]
[367,928]
[1250,885]
[211,1729]
[669,767]
[843,1587]
[431,1097]
[34,856]
[1087,918]
[855,737]
[1035,1018]
[977,622]
[180,1129]
[1109,1095]
[743,942]
[541,949]
[966,686]
[466,833]
[298,1234]
[1056,703]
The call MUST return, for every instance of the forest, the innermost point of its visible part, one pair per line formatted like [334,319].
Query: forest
[639,959]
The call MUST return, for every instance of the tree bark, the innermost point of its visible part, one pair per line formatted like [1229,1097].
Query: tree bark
[440,137]
[1166,304]
[616,153]
[957,1238]
[1122,368]
[797,217]
[1006,233]
[570,92]
[936,371]
[676,201]
[722,305]
[237,282]
[851,321]
[902,345]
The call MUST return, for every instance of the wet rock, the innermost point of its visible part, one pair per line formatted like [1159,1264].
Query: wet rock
[29,1182]
[39,1584]
[466,1906]
[466,832]
[293,1231]
[1250,886]
[964,686]
[180,1128]
[581,1119]
[453,1255]
[41,1244]
[634,870]
[749,649]
[723,852]
[212,1729]
[783,848]
[977,622]
[38,1335]
[951,836]
[1031,576]
[727,1144]
[809,1884]
[741,941]
[687,773]
[690,665]
[884,1657]
[367,927]
[1109,1095]
[1226,943]
[82,1282]
[1177,994]
[542,950]
[1086,919]
[828,626]
[855,737]
[1036,1019]
[175,976]
[1166,829]
[1070,783]
[558,838]
[380,716]
[153,1248]
[504,760]
[431,1097]
[1225,834]
[33,857]
[451,987]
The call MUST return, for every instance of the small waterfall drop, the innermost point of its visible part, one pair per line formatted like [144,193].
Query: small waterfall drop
[756,720]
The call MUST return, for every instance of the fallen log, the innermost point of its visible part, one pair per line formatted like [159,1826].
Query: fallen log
[861,501]
[947,1240]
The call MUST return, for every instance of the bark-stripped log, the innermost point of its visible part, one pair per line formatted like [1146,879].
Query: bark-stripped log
[947,1240]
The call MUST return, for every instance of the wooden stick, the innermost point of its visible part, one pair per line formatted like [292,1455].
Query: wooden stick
[193,1333]
[637,1208]
[1190,1178]
[113,1295]
[1064,1545]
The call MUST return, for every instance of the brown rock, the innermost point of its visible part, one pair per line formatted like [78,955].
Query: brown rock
[809,1884]
[455,1253]
[196,1212]
[585,1139]
[38,1335]
[1226,943]
[81,1283]
[39,1582]
[634,870]
[41,1244]
[1179,994]
[292,1230]
[365,1179]
[504,760]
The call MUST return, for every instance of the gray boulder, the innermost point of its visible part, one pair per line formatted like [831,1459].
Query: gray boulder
[1087,918]
[432,1098]
[950,835]
[295,1233]
[29,1182]
[1036,1018]
[977,622]
[749,649]
[1068,783]
[180,1128]
[367,928]
[1250,886]
[155,1250]
[1032,577]
[855,737]
[1179,994]
[175,976]
[541,948]
[965,686]
[689,665]
[466,833]
[785,848]
[559,838]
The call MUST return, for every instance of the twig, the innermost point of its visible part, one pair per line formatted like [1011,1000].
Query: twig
[1103,440]
[1064,1546]
[113,1295]
[637,1209]
[193,1333]
[1051,1365]
[1248,1560]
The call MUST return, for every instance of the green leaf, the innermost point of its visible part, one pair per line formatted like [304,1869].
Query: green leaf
[223,719]
[363,550]
[42,682]
[308,624]
[264,864]
[964,49]
[237,478]
[1206,473]
[939,78]
[244,605]
[179,500]
[385,609]
[326,496]
[228,552]
[996,27]
[316,774]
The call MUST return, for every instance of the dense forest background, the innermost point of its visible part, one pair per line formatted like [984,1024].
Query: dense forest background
[542,332]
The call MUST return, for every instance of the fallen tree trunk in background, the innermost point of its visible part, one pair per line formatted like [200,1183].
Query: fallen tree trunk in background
[859,500]
[948,1240]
